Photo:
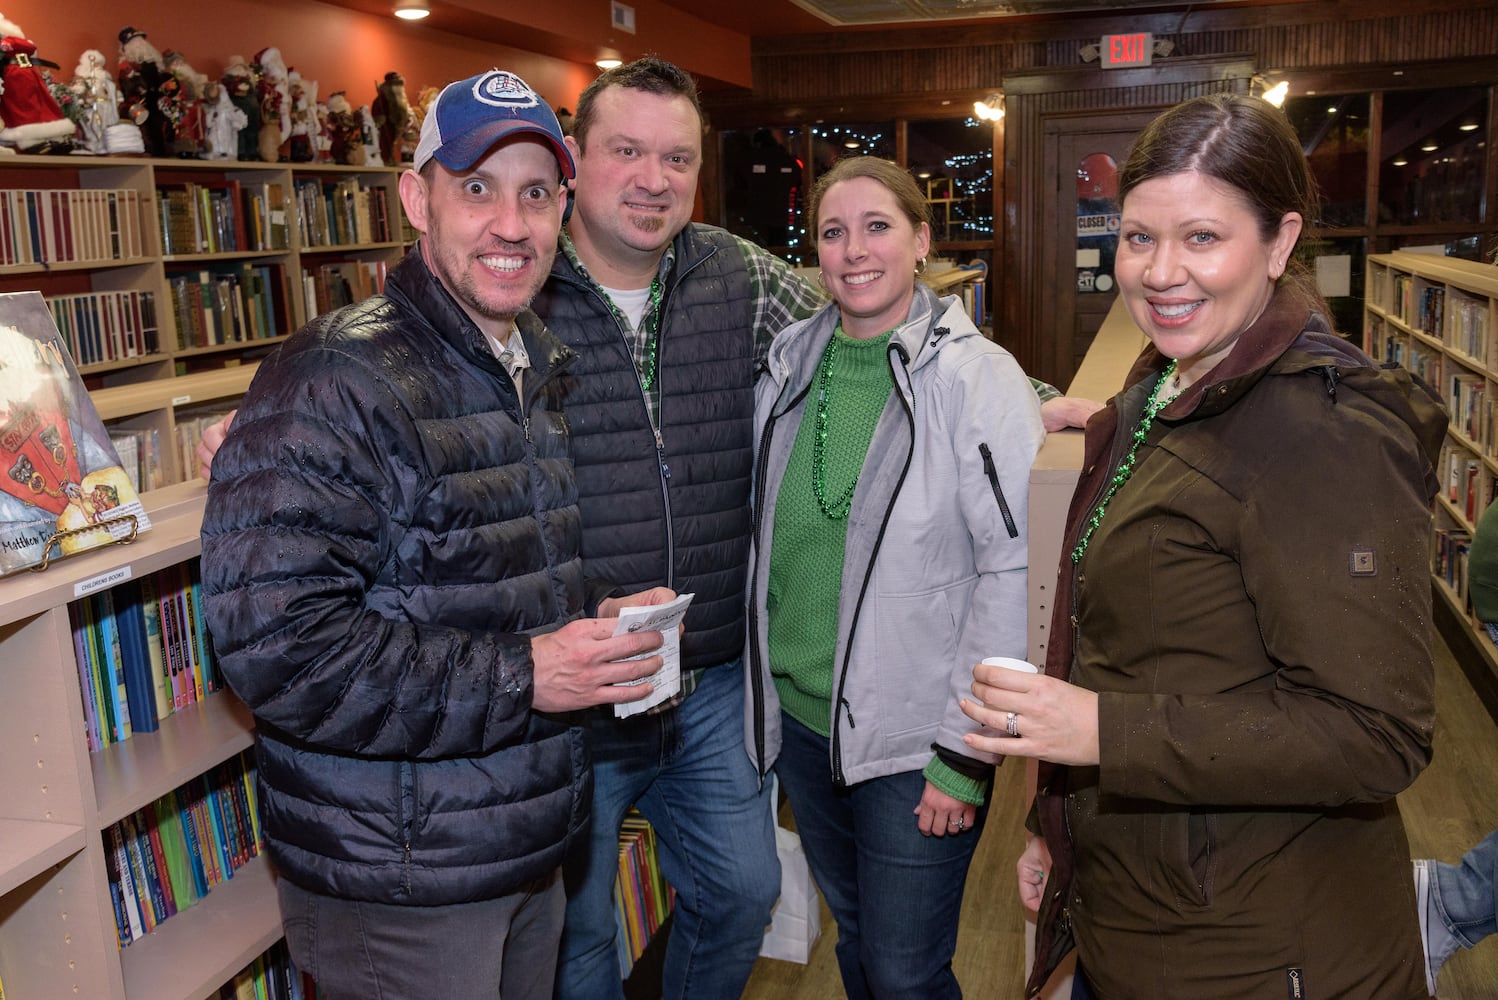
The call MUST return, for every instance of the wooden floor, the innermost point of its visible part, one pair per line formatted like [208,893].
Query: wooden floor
[1451,806]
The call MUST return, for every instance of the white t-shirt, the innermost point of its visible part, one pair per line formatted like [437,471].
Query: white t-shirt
[632,303]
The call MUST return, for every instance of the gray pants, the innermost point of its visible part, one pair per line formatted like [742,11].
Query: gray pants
[500,948]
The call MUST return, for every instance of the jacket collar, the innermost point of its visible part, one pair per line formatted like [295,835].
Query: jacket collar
[413,282]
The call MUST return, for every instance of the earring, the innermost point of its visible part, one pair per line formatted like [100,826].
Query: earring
[920,267]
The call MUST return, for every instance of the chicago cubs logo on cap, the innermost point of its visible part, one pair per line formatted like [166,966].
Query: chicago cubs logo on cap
[504,90]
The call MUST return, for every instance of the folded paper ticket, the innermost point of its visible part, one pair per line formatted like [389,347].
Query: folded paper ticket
[665,619]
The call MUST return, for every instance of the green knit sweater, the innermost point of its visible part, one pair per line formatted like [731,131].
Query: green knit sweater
[807,551]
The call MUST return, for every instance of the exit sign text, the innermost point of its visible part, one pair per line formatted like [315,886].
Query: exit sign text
[1119,51]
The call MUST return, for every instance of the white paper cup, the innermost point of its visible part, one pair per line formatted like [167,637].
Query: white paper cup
[1010,663]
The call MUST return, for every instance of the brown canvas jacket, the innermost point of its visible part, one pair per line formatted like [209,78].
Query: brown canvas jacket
[1254,610]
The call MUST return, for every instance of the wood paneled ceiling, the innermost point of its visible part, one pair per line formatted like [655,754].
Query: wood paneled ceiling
[847,13]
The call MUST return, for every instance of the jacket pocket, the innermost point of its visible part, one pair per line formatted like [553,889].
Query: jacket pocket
[998,491]
[1201,853]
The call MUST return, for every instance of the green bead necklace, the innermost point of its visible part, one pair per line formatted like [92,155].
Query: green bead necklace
[1157,402]
[652,345]
[836,510]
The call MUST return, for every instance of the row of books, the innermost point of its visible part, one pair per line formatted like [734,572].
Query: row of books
[165,857]
[1467,327]
[222,216]
[1400,286]
[1465,485]
[642,894]
[69,226]
[271,976]
[1449,559]
[143,652]
[139,449]
[335,285]
[1467,405]
[1430,305]
[1417,358]
[227,306]
[341,213]
[106,326]
[190,425]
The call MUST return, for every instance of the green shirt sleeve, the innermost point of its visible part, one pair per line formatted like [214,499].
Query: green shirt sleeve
[973,791]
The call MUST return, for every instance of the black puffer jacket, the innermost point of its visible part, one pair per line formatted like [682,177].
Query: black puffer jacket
[675,511]
[383,532]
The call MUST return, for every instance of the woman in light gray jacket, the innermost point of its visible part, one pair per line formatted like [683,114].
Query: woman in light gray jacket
[894,449]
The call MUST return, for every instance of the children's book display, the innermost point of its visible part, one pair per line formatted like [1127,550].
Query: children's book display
[63,483]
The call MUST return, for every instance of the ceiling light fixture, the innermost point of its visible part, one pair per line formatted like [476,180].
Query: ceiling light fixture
[1468,126]
[411,10]
[990,109]
[1273,93]
[1429,147]
[1401,162]
[608,64]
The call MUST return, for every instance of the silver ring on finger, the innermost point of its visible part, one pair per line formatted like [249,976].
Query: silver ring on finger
[1011,724]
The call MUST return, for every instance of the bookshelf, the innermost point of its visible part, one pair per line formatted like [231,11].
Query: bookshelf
[170,279]
[161,267]
[1438,318]
[58,932]
[57,800]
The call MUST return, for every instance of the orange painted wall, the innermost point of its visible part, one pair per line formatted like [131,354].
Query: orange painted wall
[340,49]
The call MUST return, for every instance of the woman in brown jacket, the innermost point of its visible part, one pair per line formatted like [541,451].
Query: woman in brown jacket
[1239,678]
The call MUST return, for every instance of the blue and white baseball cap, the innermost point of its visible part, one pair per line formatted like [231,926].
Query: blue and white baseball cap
[470,116]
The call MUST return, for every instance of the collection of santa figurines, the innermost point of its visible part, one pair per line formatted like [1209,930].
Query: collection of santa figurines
[154,103]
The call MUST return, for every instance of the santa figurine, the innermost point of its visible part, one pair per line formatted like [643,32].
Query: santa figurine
[274,90]
[239,81]
[32,120]
[188,112]
[98,100]
[225,121]
[392,114]
[304,125]
[345,130]
[370,134]
[142,76]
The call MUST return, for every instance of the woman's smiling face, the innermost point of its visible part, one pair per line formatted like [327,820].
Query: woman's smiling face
[1193,267]
[868,249]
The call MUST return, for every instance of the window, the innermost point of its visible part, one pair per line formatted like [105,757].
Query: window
[1333,131]
[1433,148]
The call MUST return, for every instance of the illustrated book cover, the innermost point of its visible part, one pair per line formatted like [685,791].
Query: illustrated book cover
[63,483]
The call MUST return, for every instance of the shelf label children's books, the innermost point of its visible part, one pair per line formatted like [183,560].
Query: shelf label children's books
[61,478]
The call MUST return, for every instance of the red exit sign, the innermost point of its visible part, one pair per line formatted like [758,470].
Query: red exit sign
[1119,51]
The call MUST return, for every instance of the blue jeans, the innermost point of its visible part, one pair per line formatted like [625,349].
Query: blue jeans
[466,951]
[895,893]
[1463,893]
[686,770]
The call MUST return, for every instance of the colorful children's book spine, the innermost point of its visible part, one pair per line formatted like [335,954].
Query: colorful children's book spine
[85,679]
[129,893]
[161,685]
[149,894]
[114,672]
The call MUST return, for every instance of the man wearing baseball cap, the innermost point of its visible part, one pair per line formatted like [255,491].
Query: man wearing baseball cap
[392,580]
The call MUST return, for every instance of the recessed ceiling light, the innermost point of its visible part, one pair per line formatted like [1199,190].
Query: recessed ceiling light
[411,10]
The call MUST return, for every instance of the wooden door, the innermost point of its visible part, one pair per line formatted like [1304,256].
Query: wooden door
[1080,228]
